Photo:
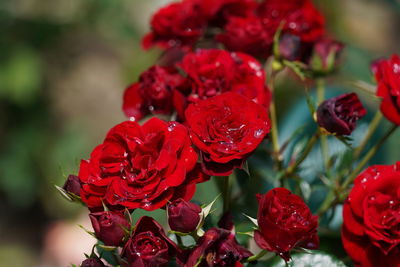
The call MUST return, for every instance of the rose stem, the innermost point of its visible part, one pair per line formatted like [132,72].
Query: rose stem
[324,139]
[330,199]
[292,168]
[371,130]
[226,192]
[368,156]
[274,123]
[261,254]
[179,240]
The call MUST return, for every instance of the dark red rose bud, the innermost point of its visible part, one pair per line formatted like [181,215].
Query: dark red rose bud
[387,74]
[325,56]
[73,185]
[92,262]
[217,247]
[148,245]
[289,46]
[285,222]
[109,226]
[339,115]
[183,216]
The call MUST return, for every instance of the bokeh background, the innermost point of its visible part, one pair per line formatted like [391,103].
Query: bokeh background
[63,68]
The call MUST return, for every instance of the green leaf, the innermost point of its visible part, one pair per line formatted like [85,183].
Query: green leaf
[253,220]
[106,248]
[318,259]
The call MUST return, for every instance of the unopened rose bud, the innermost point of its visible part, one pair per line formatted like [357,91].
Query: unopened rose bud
[73,185]
[183,216]
[289,47]
[109,226]
[92,262]
[339,115]
[325,56]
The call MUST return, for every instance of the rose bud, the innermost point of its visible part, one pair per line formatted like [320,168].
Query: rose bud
[92,262]
[183,216]
[387,74]
[339,115]
[73,185]
[371,221]
[325,56]
[217,247]
[289,47]
[109,226]
[285,222]
[148,245]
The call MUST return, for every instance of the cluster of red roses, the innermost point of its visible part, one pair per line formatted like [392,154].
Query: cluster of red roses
[218,101]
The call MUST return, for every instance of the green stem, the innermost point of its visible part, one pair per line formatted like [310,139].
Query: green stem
[258,256]
[292,168]
[331,199]
[371,130]
[274,124]
[324,139]
[226,193]
[368,156]
[179,240]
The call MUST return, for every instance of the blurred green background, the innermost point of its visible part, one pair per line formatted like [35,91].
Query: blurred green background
[63,67]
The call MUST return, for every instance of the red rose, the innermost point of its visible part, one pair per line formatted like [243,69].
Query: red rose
[248,34]
[152,93]
[339,114]
[141,167]
[178,24]
[219,11]
[285,222]
[109,227]
[212,72]
[226,129]
[387,74]
[371,218]
[183,216]
[300,16]
[148,245]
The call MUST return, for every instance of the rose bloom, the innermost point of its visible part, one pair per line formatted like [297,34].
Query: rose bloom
[110,227]
[226,128]
[152,93]
[339,115]
[301,18]
[140,167]
[177,24]
[211,72]
[387,74]
[285,222]
[371,218]
[254,33]
[219,11]
[148,245]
